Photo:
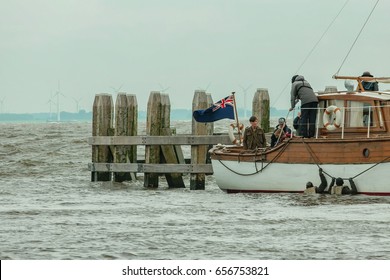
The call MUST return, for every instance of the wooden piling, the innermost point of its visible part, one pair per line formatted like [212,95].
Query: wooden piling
[153,126]
[199,153]
[121,127]
[132,129]
[174,180]
[102,124]
[261,107]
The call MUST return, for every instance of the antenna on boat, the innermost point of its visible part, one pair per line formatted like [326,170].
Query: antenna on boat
[357,37]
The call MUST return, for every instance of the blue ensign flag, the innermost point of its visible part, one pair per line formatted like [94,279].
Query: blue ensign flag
[223,109]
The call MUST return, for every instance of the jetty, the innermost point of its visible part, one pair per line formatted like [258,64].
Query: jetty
[115,139]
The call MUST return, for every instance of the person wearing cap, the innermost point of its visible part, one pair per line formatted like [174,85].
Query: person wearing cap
[302,90]
[310,188]
[370,86]
[254,136]
[341,189]
[280,133]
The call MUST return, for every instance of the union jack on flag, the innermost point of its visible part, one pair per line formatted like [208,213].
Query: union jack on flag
[223,109]
[224,102]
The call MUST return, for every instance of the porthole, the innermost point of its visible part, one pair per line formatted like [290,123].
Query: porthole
[366,152]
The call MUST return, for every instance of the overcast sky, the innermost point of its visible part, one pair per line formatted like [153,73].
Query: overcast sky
[86,47]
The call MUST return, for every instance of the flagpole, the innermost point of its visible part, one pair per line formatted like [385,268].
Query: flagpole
[235,112]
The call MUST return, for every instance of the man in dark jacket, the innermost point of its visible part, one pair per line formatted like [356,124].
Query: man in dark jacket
[341,189]
[310,188]
[370,86]
[301,90]
[281,131]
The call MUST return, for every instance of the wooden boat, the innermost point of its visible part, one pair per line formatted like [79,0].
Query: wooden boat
[352,141]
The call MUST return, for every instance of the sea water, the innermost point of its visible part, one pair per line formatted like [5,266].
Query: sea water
[49,209]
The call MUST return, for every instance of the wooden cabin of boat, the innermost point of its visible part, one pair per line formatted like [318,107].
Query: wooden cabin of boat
[364,113]
[355,129]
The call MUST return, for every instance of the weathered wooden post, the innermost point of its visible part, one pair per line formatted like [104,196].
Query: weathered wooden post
[153,126]
[198,153]
[121,127]
[132,129]
[102,124]
[174,180]
[260,108]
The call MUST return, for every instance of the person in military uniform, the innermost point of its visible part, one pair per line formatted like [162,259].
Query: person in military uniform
[254,136]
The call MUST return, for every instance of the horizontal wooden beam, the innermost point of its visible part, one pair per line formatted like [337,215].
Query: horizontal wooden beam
[150,168]
[160,140]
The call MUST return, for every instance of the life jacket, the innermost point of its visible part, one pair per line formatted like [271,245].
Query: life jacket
[337,190]
[310,190]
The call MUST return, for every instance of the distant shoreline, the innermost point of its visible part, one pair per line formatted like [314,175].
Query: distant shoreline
[82,115]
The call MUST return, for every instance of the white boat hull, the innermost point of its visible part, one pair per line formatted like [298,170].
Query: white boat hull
[235,176]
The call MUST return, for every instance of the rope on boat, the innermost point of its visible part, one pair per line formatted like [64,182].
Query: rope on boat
[357,175]
[370,168]
[312,50]
[256,161]
[357,37]
[312,154]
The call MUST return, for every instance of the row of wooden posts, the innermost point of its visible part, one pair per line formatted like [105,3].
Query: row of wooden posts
[114,147]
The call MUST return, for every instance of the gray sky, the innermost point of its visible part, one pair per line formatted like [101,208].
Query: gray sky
[137,46]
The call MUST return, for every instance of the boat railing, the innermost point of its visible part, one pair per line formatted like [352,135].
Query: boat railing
[367,118]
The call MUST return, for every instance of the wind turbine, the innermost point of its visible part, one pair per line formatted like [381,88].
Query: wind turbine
[116,91]
[245,90]
[50,102]
[57,94]
[77,104]
[205,90]
[162,89]
[2,105]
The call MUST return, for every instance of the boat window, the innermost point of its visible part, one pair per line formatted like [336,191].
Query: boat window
[359,114]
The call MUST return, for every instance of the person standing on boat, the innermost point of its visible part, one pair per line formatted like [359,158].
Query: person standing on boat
[310,188]
[281,131]
[302,90]
[254,136]
[296,123]
[341,189]
[370,86]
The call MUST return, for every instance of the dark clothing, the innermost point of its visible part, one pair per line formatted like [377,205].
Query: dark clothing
[370,86]
[308,119]
[344,189]
[296,124]
[254,139]
[321,188]
[275,135]
[302,90]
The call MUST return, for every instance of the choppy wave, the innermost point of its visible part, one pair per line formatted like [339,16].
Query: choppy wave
[50,210]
